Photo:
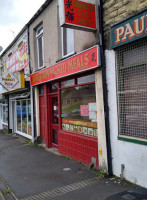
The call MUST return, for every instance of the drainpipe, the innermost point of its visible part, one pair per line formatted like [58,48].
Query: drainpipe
[105,92]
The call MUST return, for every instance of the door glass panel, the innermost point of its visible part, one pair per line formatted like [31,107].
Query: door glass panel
[18,107]
[55,110]
[55,136]
[54,88]
[41,90]
[24,116]
[29,118]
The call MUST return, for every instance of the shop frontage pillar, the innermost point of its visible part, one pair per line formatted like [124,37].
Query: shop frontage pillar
[102,146]
[37,111]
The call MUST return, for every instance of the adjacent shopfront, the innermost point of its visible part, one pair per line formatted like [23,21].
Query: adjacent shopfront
[67,106]
[20,113]
[15,104]
[15,87]
[3,112]
[129,39]
[126,65]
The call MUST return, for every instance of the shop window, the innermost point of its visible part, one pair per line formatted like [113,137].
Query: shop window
[5,113]
[18,110]
[67,38]
[24,116]
[86,79]
[79,112]
[29,124]
[23,111]
[40,46]
[132,90]
[67,83]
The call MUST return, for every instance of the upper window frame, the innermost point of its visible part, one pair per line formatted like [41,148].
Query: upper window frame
[39,34]
[64,42]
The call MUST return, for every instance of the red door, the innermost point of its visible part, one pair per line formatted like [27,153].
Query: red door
[54,121]
[42,107]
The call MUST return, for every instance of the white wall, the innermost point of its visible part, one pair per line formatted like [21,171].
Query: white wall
[133,156]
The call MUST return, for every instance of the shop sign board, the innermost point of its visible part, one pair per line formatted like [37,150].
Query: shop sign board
[77,15]
[18,60]
[86,60]
[129,30]
[10,82]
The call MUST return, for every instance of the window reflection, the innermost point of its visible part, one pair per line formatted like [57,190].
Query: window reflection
[86,79]
[18,107]
[79,112]
[29,118]
[54,88]
[24,116]
[67,83]
[23,111]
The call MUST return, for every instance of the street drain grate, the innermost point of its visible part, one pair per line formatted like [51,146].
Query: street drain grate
[63,190]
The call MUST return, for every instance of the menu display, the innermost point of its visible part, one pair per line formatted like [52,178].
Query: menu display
[82,127]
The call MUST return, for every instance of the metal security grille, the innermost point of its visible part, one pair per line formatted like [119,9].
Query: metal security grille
[132,89]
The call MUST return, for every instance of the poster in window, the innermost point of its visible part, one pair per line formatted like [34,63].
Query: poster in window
[85,130]
[84,110]
[92,112]
[80,129]
[93,116]
[95,132]
[90,131]
[92,107]
[76,129]
[67,127]
[71,128]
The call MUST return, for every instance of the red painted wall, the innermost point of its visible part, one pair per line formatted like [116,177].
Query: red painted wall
[78,147]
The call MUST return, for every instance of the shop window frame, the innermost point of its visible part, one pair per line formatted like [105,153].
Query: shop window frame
[75,85]
[21,132]
[120,66]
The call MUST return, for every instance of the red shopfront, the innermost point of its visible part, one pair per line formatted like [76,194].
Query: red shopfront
[67,106]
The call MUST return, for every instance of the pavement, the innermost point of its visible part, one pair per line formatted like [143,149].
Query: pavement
[30,172]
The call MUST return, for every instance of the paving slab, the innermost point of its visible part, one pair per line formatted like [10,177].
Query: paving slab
[34,173]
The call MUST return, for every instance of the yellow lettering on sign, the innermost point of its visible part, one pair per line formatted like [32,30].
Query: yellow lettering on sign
[79,62]
[85,22]
[84,6]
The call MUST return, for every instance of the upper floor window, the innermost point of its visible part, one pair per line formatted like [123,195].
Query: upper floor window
[67,35]
[40,46]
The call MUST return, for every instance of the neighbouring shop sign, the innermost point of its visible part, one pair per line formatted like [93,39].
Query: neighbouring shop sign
[77,15]
[10,82]
[18,60]
[83,61]
[129,30]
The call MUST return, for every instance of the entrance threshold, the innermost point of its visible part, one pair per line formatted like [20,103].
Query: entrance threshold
[54,151]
